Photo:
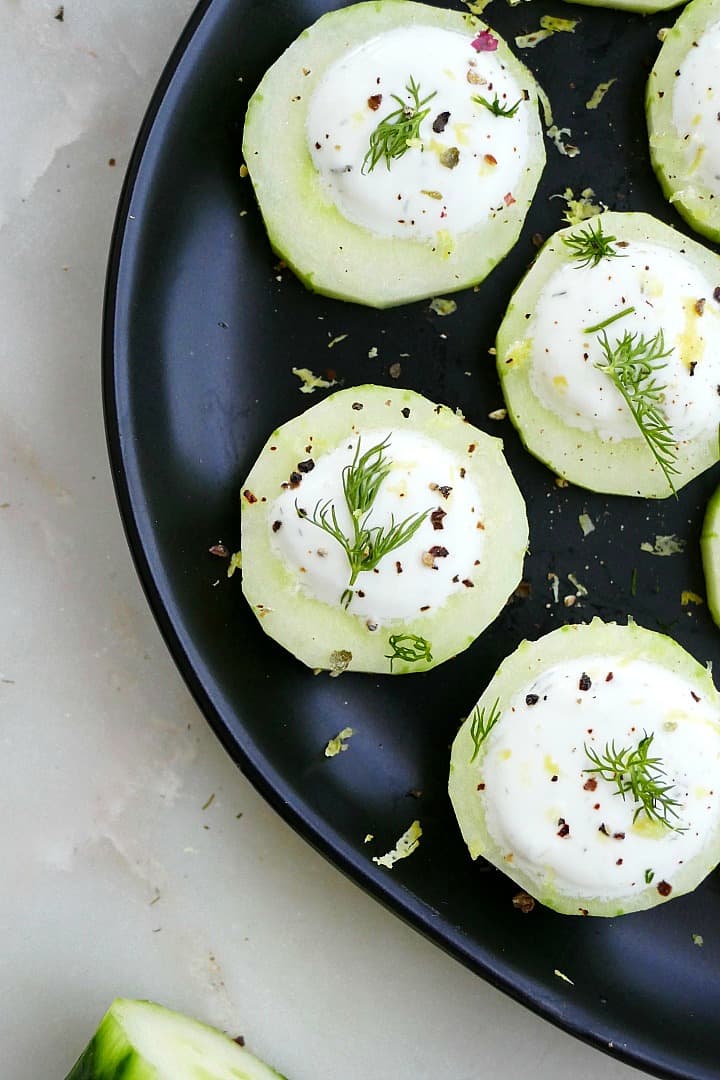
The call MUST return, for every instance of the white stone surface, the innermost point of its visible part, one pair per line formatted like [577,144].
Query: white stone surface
[115,880]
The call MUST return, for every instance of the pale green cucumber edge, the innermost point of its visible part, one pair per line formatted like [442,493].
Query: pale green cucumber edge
[670,154]
[328,253]
[312,630]
[641,7]
[710,552]
[626,467]
[139,1040]
[632,642]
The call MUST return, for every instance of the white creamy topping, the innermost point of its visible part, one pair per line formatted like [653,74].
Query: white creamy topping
[695,106]
[440,559]
[668,293]
[466,165]
[545,810]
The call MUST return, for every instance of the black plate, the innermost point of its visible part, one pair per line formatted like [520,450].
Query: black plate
[201,332]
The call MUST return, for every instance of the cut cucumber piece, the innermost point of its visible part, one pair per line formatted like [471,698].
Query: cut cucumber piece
[710,551]
[682,103]
[524,779]
[138,1040]
[423,601]
[430,217]
[642,7]
[570,414]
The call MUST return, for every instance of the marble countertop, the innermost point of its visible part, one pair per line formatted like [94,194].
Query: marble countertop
[118,877]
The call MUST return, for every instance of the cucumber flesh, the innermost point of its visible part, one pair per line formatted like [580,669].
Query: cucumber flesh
[710,551]
[138,1040]
[622,465]
[528,799]
[677,153]
[337,257]
[317,628]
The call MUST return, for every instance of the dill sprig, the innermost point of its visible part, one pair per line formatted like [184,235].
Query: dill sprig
[590,246]
[638,775]
[408,647]
[496,107]
[367,544]
[633,364]
[390,138]
[480,726]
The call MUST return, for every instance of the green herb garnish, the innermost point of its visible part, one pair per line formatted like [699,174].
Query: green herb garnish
[609,321]
[649,875]
[633,364]
[367,544]
[496,107]
[390,138]
[590,246]
[480,727]
[634,773]
[408,647]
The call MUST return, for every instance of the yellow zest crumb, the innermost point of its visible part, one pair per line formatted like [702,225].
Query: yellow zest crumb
[309,382]
[244,171]
[664,545]
[336,341]
[443,307]
[405,846]
[561,975]
[557,135]
[529,41]
[598,94]
[687,597]
[235,563]
[339,743]
[558,26]
[580,209]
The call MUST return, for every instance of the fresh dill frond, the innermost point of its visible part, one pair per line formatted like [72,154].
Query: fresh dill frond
[480,726]
[637,775]
[367,544]
[609,321]
[496,107]
[392,135]
[632,364]
[408,647]
[591,245]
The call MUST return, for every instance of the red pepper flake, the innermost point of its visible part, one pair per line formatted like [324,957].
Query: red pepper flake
[596,806]
[220,550]
[484,42]
[564,829]
[700,306]
[618,862]
[240,1040]
[490,159]
[618,836]
[716,294]
[374,102]
[468,583]
[590,784]
[585,681]
[472,448]
[694,696]
[481,787]
[508,198]
[439,552]
[609,677]
[398,566]
[664,888]
[437,518]
[583,911]
[276,525]
[247,494]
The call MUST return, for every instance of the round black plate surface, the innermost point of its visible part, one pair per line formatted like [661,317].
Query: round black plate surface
[202,329]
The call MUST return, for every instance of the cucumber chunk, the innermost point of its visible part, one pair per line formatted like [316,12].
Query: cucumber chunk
[682,103]
[433,215]
[569,413]
[423,601]
[533,790]
[642,7]
[138,1040]
[710,552]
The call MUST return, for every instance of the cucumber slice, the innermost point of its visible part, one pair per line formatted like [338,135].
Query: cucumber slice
[710,551]
[425,600]
[682,103]
[526,796]
[138,1040]
[437,218]
[642,7]
[568,413]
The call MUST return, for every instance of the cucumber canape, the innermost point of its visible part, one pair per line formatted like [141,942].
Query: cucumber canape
[138,1040]
[683,101]
[710,552]
[380,533]
[588,770]
[394,149]
[609,356]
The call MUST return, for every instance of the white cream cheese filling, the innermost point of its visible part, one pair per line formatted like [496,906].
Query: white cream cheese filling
[695,107]
[440,559]
[467,162]
[668,293]
[558,821]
